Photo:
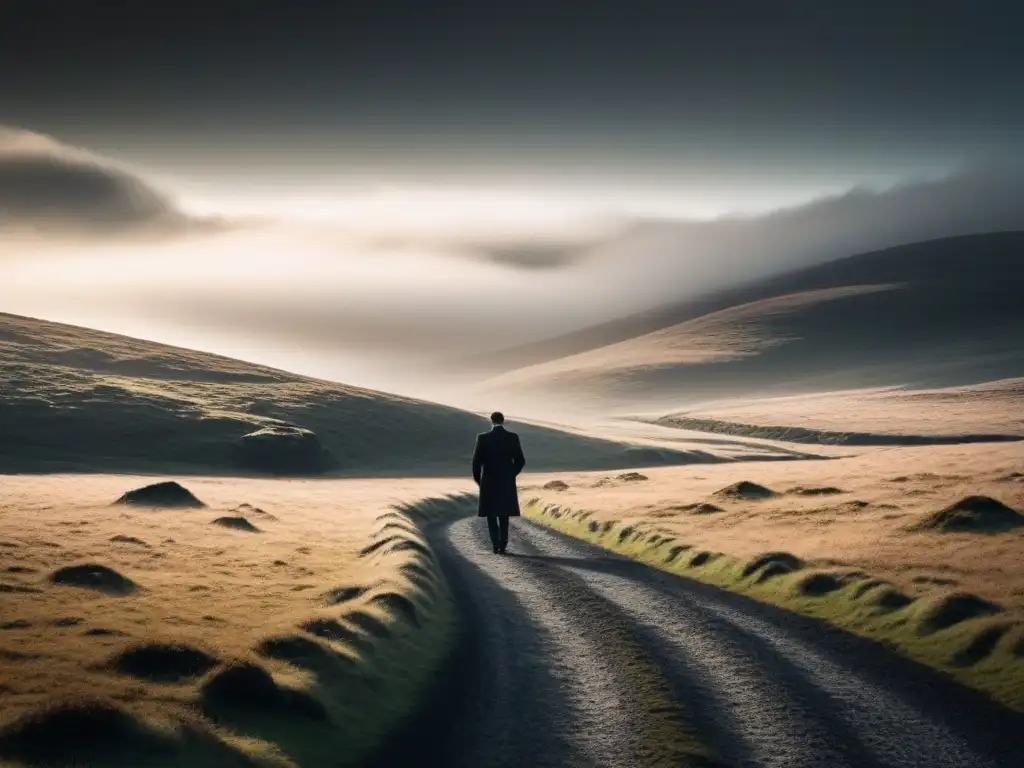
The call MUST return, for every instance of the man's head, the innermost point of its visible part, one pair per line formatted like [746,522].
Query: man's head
[497,418]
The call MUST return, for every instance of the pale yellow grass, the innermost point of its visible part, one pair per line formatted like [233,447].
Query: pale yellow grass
[992,408]
[223,592]
[864,527]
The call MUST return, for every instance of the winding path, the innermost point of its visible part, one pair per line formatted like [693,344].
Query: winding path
[571,656]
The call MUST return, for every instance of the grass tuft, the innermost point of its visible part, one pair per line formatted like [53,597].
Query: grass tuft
[397,604]
[779,562]
[163,662]
[981,645]
[236,523]
[66,733]
[93,576]
[703,558]
[937,614]
[817,584]
[745,490]
[973,514]
[165,494]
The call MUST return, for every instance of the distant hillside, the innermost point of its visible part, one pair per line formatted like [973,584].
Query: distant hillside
[905,262]
[74,399]
[938,313]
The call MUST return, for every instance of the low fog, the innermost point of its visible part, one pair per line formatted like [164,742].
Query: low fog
[371,292]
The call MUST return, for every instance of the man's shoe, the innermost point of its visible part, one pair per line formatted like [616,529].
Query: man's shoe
[501,550]
[497,550]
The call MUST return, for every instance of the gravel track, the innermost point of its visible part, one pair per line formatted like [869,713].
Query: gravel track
[571,656]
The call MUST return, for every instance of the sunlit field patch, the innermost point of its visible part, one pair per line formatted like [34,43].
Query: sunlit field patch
[164,636]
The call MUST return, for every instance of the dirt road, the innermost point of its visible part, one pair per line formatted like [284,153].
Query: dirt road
[574,657]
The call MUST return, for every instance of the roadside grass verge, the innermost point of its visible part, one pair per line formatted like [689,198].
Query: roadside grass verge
[970,639]
[309,667]
[370,658]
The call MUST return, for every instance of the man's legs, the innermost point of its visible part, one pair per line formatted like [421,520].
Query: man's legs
[503,533]
[493,529]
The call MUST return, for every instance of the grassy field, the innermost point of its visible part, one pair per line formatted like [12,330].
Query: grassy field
[878,416]
[915,547]
[925,314]
[287,622]
[79,400]
[283,623]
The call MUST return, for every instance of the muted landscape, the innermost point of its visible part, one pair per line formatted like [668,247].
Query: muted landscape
[296,593]
[918,316]
[78,399]
[289,599]
[854,512]
[986,412]
[269,622]
[282,620]
[606,384]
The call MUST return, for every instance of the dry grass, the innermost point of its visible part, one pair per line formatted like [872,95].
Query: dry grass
[731,334]
[883,491]
[299,642]
[990,408]
[838,539]
[877,319]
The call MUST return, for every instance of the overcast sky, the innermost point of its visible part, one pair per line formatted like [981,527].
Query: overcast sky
[674,94]
[323,184]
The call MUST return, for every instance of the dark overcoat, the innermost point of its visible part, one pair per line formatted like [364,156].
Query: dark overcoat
[497,460]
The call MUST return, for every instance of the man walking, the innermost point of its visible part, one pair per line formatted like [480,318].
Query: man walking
[497,460]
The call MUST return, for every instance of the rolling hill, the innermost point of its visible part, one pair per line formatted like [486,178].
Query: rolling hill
[938,313]
[75,399]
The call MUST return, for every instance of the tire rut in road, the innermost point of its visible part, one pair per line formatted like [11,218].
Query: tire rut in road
[545,674]
[586,721]
[752,718]
[571,656]
[838,699]
[497,701]
[654,726]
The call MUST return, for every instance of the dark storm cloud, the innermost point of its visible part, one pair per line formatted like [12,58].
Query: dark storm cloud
[51,188]
[802,77]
